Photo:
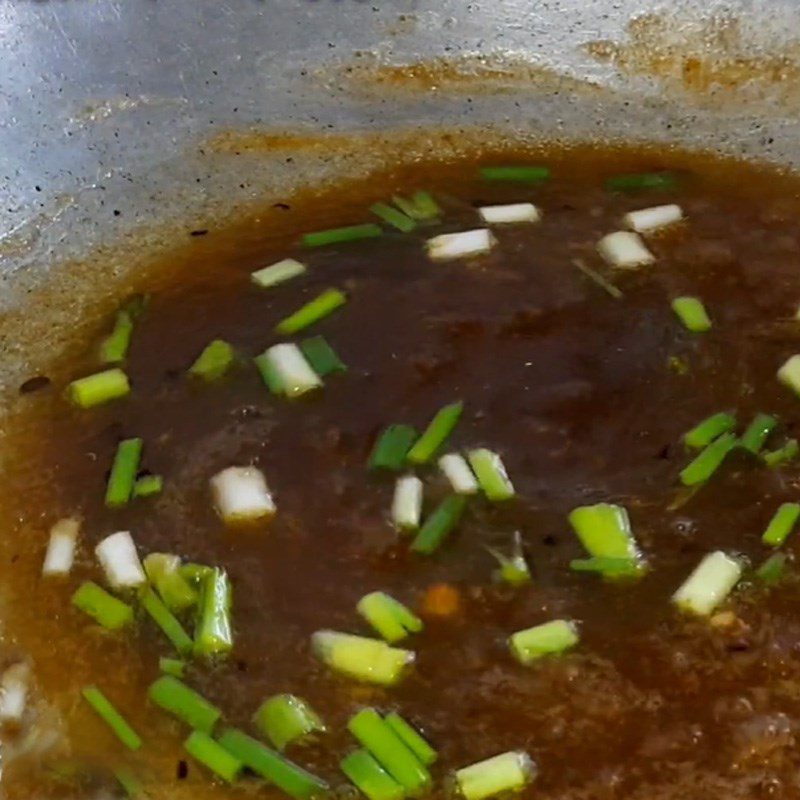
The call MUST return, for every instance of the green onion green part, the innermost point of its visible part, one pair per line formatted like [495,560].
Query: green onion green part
[351,233]
[708,461]
[288,777]
[392,447]
[547,639]
[643,180]
[515,174]
[172,666]
[491,474]
[114,348]
[321,356]
[389,750]
[285,718]
[513,569]
[709,584]
[148,486]
[130,784]
[420,206]
[412,739]
[503,774]
[709,429]
[99,388]
[439,524]
[213,362]
[609,567]
[277,273]
[213,633]
[781,524]
[390,618]
[776,458]
[213,755]
[370,777]
[123,473]
[754,438]
[391,216]
[366,660]
[772,570]
[436,434]
[605,531]
[318,308]
[164,571]
[269,374]
[106,711]
[692,313]
[165,620]
[104,608]
[175,697]
[193,574]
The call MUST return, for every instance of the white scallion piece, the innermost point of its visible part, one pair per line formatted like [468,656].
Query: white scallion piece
[295,372]
[120,561]
[646,220]
[509,214]
[14,693]
[407,503]
[625,249]
[709,584]
[241,494]
[61,547]
[459,473]
[789,373]
[461,245]
[278,273]
[503,774]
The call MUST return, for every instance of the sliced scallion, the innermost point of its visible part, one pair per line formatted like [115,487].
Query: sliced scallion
[213,632]
[625,250]
[458,472]
[130,784]
[709,584]
[407,503]
[114,347]
[781,524]
[390,618]
[163,570]
[754,438]
[412,739]
[367,660]
[123,473]
[789,373]
[439,524]
[120,561]
[102,607]
[788,452]
[172,666]
[503,774]
[436,434]
[448,246]
[392,447]
[515,174]
[547,639]
[642,180]
[61,547]
[321,356]
[285,370]
[313,311]
[213,755]
[269,374]
[165,620]
[420,206]
[708,460]
[513,568]
[509,214]
[99,388]
[213,362]
[106,711]
[605,531]
[773,569]
[285,719]
[277,273]
[148,486]
[351,233]
[241,494]
[646,220]
[709,429]
[370,777]
[491,474]
[176,698]
[14,686]
[391,216]
[608,567]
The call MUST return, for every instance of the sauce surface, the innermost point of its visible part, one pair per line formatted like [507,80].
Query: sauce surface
[585,396]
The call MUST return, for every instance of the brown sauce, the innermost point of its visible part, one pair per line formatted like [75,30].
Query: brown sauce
[572,386]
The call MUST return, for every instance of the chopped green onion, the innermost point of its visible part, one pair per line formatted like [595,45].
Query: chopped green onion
[389,750]
[412,739]
[99,388]
[465,244]
[351,233]
[709,429]
[277,273]
[502,774]
[285,719]
[392,447]
[491,474]
[130,784]
[625,250]
[213,633]
[163,570]
[104,608]
[754,438]
[509,214]
[397,219]
[148,486]
[390,618]
[692,313]
[516,174]
[647,220]
[407,503]
[420,206]
[458,472]
[60,553]
[284,369]
[114,347]
[213,362]
[288,777]
[514,569]
[605,531]
[708,461]
[120,561]
[435,435]
[367,660]
[321,356]
[194,574]
[439,524]
[213,755]
[313,311]
[772,570]
[643,180]
[172,666]
[370,777]
[781,524]
[123,473]
[789,373]
[709,584]
[165,620]
[186,704]
[608,567]
[14,686]
[269,374]
[551,637]
[106,711]
[775,458]
[241,495]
